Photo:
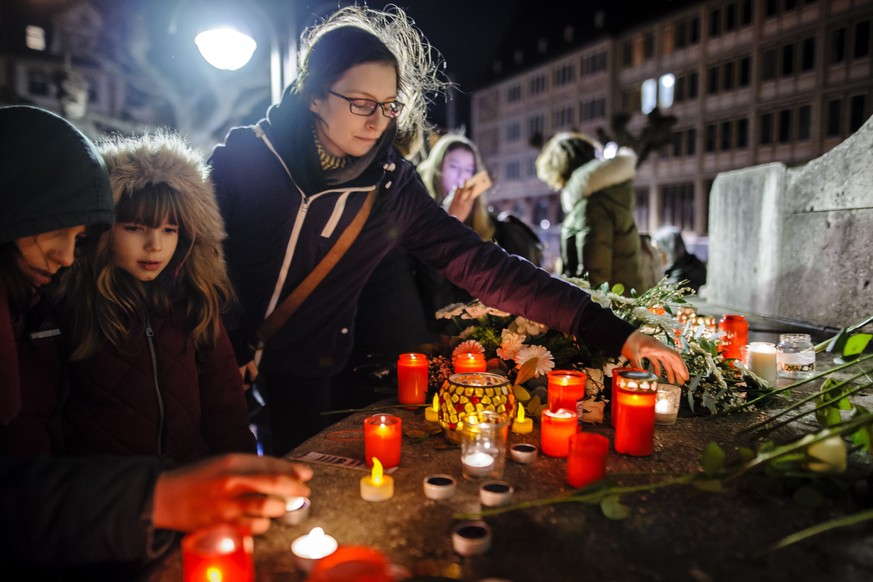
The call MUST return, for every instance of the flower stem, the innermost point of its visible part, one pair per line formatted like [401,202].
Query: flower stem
[817,529]
[765,430]
[373,408]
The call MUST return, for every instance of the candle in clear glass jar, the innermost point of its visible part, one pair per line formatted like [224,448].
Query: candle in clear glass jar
[566,387]
[222,552]
[586,462]
[635,425]
[382,434]
[556,429]
[411,378]
[667,404]
[470,362]
[795,356]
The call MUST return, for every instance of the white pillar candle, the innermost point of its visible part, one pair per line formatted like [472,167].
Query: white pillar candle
[762,361]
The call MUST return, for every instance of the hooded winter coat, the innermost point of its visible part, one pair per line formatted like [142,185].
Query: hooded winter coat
[156,393]
[598,235]
[283,213]
[51,177]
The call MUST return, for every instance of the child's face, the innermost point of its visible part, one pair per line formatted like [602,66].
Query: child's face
[343,133]
[44,254]
[144,251]
[458,166]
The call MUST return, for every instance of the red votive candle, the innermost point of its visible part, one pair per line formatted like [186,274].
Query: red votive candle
[470,362]
[222,552]
[736,335]
[352,563]
[411,379]
[382,434]
[566,387]
[587,460]
[635,425]
[557,428]
[616,407]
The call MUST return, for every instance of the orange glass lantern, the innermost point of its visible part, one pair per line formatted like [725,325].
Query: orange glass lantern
[411,378]
[586,462]
[635,425]
[382,434]
[468,394]
[221,552]
[557,428]
[566,387]
[470,362]
[736,335]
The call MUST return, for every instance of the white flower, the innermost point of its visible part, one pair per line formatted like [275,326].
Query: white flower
[525,326]
[496,312]
[450,311]
[827,456]
[474,311]
[545,361]
[468,347]
[601,299]
[509,347]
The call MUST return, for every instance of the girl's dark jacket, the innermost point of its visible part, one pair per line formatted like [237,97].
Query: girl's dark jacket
[157,395]
[282,212]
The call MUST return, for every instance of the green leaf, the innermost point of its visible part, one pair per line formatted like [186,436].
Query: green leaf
[828,417]
[618,289]
[711,485]
[863,437]
[533,407]
[845,404]
[521,393]
[713,459]
[746,454]
[808,497]
[856,344]
[613,509]
[838,342]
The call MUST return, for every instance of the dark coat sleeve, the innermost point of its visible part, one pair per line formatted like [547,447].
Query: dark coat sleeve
[73,511]
[224,413]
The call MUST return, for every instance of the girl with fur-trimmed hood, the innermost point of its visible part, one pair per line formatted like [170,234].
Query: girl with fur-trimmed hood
[153,371]
[598,235]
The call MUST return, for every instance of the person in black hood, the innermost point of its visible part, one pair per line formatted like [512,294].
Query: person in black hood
[679,265]
[57,513]
[289,187]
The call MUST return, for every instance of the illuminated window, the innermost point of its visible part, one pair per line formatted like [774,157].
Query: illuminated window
[34,37]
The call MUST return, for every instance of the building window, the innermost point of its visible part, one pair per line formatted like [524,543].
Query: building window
[641,209]
[627,53]
[745,72]
[857,116]
[807,54]
[742,133]
[804,122]
[38,83]
[677,143]
[766,129]
[677,205]
[712,81]
[835,108]
[593,109]
[34,37]
[709,140]
[727,77]
[768,65]
[746,13]
[788,59]
[785,126]
[648,45]
[715,22]
[562,118]
[691,142]
[513,170]
[862,40]
[693,81]
[564,74]
[513,132]
[726,136]
[595,63]
[680,34]
[770,8]
[513,94]
[536,126]
[838,45]
[694,30]
[730,17]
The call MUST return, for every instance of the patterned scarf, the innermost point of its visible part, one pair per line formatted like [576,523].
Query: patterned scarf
[328,160]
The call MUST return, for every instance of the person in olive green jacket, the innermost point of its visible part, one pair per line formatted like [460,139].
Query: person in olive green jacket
[598,235]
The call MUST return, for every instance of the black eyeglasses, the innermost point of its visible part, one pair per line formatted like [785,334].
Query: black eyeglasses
[367,107]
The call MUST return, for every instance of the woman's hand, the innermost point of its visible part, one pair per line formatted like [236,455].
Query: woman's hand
[244,490]
[249,374]
[667,361]
[459,203]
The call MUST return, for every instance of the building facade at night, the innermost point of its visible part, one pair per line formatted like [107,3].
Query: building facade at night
[749,81]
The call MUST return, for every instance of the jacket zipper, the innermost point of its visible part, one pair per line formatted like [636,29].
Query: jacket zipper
[150,335]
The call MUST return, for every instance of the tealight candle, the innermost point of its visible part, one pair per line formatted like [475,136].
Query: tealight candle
[471,538]
[217,553]
[477,464]
[566,387]
[411,378]
[495,493]
[310,548]
[296,510]
[557,428]
[470,362]
[635,425]
[587,460]
[523,453]
[439,487]
[377,486]
[432,412]
[762,361]
[667,404]
[382,434]
[522,425]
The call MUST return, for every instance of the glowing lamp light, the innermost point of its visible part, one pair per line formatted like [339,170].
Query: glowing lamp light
[225,48]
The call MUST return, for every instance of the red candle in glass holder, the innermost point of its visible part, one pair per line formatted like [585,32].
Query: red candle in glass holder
[566,387]
[470,362]
[616,407]
[736,335]
[353,563]
[222,552]
[635,425]
[586,462]
[382,433]
[411,378]
[557,427]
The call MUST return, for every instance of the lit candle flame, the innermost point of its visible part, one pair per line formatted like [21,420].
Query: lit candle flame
[436,403]
[521,413]
[214,574]
[376,474]
[316,534]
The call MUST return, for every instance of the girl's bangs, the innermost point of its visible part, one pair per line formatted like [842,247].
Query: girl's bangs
[151,206]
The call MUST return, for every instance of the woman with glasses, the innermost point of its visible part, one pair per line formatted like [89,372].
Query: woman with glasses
[290,187]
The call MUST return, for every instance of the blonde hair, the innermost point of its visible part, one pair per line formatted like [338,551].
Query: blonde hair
[331,47]
[431,172]
[562,154]
[154,178]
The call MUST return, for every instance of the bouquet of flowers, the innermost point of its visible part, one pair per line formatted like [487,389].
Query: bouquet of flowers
[525,351]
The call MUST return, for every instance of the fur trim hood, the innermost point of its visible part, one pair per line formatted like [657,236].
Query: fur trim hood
[165,158]
[597,175]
